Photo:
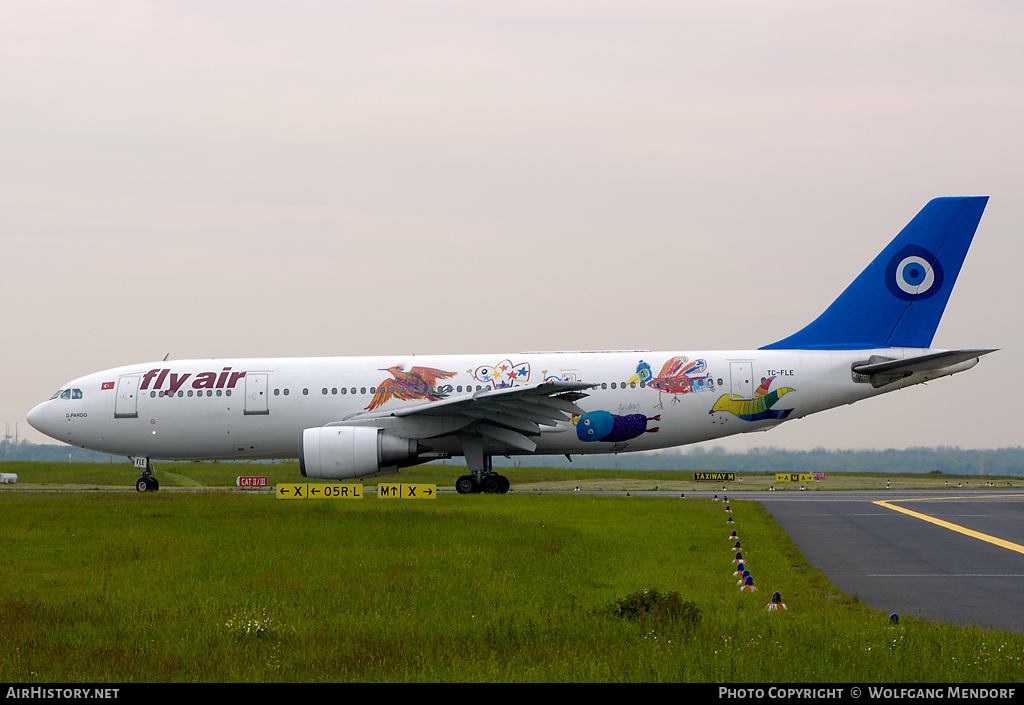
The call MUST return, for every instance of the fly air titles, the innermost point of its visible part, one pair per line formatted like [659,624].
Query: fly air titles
[225,379]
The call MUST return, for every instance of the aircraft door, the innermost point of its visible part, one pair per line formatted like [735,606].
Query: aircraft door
[126,401]
[256,393]
[742,374]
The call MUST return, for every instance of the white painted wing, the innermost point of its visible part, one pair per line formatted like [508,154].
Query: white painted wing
[510,415]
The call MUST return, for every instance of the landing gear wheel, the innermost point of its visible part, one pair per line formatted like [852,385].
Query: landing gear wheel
[491,484]
[466,485]
[503,484]
[147,484]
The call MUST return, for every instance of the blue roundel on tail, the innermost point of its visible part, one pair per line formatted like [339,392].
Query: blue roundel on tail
[913,272]
[898,300]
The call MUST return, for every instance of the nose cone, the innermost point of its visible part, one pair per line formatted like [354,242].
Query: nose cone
[41,419]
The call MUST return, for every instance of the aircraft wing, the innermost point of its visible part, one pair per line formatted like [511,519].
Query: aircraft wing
[507,415]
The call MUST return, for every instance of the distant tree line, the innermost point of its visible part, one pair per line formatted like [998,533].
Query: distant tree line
[54,453]
[945,459]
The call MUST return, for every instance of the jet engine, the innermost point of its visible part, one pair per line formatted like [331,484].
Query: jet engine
[348,452]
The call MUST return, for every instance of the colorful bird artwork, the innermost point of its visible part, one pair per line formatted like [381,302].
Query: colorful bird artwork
[643,373]
[419,383]
[757,409]
[612,428]
[680,376]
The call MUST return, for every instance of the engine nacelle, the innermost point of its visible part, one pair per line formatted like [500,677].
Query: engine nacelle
[348,452]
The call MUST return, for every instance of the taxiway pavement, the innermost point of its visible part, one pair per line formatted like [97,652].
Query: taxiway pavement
[958,558]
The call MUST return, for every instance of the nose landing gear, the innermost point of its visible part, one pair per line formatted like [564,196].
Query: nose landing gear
[145,483]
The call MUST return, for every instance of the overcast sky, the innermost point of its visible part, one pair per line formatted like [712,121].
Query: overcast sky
[213,179]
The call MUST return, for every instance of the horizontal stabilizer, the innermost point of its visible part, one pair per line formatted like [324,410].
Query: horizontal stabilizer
[922,363]
[880,371]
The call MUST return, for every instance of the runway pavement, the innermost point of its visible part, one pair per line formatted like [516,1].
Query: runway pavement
[958,558]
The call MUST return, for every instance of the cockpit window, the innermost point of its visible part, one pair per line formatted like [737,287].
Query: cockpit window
[67,394]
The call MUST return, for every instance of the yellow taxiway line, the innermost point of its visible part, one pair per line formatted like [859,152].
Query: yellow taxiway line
[948,525]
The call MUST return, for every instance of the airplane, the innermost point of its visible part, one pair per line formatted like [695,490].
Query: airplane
[350,417]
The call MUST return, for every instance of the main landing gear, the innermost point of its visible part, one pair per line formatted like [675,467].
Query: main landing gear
[146,483]
[480,477]
[492,484]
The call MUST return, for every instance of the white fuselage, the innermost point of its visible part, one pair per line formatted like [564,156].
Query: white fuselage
[642,400]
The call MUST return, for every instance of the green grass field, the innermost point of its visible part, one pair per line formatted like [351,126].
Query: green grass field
[227,586]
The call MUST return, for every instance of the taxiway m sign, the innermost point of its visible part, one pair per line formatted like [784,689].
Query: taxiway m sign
[714,476]
[794,477]
[397,491]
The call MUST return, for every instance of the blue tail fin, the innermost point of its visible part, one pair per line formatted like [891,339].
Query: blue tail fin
[898,299]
